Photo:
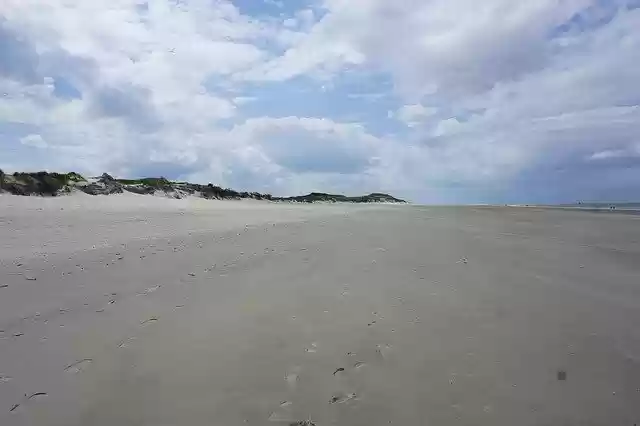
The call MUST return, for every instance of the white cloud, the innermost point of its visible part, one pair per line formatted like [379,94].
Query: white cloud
[35,141]
[294,155]
[615,154]
[608,154]
[371,97]
[436,45]
[276,3]
[290,23]
[304,145]
[143,77]
[413,114]
[242,100]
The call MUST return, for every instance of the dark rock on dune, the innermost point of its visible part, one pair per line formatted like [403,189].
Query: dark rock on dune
[140,189]
[105,185]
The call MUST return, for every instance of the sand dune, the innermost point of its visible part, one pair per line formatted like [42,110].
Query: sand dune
[130,310]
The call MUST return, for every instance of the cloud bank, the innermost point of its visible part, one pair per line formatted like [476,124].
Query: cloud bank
[436,100]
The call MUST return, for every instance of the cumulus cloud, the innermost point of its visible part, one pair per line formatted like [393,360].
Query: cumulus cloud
[35,141]
[309,145]
[413,114]
[489,100]
[19,59]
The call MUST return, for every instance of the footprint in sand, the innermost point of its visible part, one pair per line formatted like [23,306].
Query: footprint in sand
[110,302]
[312,349]
[127,342]
[149,321]
[358,365]
[284,413]
[292,378]
[28,399]
[307,422]
[384,351]
[78,366]
[149,290]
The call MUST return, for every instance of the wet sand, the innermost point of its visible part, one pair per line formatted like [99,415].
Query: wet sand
[174,313]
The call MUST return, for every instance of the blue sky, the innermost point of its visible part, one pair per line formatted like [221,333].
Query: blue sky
[438,101]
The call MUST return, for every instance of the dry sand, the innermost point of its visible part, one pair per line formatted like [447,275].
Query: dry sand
[138,311]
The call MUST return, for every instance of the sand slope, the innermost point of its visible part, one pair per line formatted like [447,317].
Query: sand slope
[271,314]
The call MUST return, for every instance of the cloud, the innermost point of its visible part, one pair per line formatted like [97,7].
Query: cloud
[35,141]
[631,152]
[413,114]
[607,154]
[130,103]
[310,145]
[437,45]
[490,101]
[19,58]
[278,4]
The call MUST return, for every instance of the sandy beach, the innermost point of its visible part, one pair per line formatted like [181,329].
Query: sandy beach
[134,310]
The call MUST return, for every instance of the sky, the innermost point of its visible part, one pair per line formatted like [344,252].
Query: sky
[436,101]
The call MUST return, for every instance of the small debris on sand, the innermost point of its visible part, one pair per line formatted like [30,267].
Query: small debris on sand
[338,370]
[340,399]
[37,394]
[292,378]
[149,290]
[312,349]
[283,413]
[562,375]
[150,320]
[303,423]
[78,366]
